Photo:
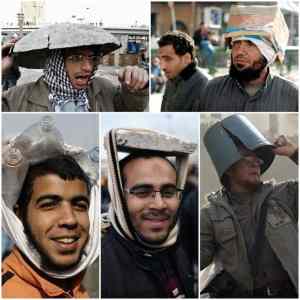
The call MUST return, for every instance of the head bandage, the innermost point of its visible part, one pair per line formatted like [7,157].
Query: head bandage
[37,143]
[263,45]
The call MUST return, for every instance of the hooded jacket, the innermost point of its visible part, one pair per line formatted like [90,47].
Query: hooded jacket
[20,280]
[102,94]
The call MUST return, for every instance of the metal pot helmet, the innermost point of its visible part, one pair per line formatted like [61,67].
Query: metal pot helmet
[224,139]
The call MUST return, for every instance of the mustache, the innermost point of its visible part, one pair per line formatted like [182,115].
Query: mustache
[156,215]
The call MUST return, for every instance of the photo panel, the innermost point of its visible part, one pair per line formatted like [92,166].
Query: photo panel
[50,205]
[149,189]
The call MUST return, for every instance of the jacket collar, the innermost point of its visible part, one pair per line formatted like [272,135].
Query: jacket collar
[25,271]
[186,73]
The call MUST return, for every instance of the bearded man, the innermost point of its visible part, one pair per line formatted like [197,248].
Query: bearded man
[250,85]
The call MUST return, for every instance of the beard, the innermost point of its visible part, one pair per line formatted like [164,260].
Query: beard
[46,261]
[250,73]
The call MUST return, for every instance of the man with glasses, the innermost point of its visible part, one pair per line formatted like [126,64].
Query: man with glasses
[249,228]
[69,83]
[141,256]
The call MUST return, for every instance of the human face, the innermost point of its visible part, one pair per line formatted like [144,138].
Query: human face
[80,64]
[245,55]
[152,217]
[57,220]
[244,175]
[171,63]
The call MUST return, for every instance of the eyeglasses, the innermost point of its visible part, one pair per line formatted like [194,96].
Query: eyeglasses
[251,161]
[147,191]
[80,58]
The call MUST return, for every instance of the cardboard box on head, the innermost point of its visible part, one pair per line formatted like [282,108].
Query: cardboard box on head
[259,20]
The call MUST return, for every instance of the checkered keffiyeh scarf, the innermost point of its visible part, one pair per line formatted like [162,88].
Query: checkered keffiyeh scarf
[62,95]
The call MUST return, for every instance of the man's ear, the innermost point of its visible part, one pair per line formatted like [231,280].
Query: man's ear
[187,58]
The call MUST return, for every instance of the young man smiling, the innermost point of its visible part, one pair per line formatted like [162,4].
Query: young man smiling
[141,255]
[47,202]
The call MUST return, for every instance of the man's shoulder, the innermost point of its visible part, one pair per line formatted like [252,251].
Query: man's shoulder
[219,80]
[23,88]
[13,286]
[284,82]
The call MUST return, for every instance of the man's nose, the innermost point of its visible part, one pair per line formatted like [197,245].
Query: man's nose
[162,64]
[87,65]
[67,216]
[158,201]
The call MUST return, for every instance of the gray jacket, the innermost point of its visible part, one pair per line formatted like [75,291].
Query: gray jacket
[222,237]
[226,94]
[102,94]
[182,92]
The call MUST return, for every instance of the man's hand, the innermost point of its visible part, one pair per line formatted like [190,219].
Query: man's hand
[284,147]
[7,60]
[133,77]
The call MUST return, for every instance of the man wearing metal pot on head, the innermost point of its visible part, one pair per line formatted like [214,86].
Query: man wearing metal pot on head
[249,227]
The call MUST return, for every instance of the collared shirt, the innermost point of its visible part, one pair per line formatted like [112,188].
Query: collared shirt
[20,280]
[227,94]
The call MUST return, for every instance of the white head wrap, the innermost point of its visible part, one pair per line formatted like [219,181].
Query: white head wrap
[263,45]
[34,145]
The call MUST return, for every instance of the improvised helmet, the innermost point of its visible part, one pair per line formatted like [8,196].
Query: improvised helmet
[222,142]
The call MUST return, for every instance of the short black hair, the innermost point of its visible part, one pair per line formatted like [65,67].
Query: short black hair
[181,42]
[65,166]
[143,155]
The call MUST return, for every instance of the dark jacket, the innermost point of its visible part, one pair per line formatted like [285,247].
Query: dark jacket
[227,94]
[102,94]
[128,271]
[183,91]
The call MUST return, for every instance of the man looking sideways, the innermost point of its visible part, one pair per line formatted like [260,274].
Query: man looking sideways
[250,84]
[185,80]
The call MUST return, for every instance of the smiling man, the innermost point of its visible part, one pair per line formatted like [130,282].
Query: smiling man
[249,226]
[141,254]
[250,85]
[48,217]
[69,82]
[185,80]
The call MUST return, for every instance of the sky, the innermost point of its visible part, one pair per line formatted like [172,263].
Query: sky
[111,12]
[69,124]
